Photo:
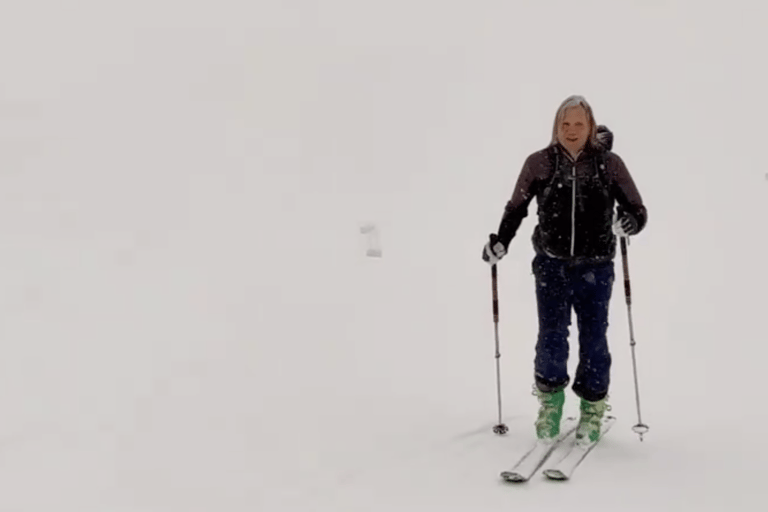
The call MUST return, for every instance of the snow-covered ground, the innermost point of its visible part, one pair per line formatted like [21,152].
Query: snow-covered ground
[188,318]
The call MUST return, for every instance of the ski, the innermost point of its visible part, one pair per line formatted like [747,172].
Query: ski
[578,452]
[535,457]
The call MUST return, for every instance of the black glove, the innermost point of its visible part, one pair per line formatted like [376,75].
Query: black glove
[493,250]
[625,224]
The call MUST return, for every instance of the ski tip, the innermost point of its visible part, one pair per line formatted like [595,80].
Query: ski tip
[555,474]
[511,476]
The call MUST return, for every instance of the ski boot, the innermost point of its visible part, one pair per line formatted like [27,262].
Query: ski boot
[590,422]
[550,414]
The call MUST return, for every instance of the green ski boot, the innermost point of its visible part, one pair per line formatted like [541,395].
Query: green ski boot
[550,414]
[590,422]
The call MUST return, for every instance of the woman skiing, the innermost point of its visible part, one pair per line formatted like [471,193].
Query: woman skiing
[577,182]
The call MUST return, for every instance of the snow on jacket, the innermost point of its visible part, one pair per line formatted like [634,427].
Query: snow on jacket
[575,205]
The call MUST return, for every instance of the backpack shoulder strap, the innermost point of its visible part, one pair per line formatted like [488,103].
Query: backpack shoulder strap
[554,161]
[601,171]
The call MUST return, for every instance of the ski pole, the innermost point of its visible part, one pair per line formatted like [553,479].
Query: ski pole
[500,428]
[641,428]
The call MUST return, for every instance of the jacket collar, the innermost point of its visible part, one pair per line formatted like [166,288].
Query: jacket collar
[585,153]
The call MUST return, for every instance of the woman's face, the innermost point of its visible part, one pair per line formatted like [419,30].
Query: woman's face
[573,130]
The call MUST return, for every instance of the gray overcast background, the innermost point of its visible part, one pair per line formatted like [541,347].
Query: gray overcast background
[187,318]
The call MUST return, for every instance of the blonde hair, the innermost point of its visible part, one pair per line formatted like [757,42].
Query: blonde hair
[571,102]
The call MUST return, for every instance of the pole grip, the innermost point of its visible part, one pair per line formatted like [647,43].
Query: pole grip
[625,263]
[494,286]
[494,281]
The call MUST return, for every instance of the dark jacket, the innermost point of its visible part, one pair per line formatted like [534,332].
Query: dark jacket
[575,205]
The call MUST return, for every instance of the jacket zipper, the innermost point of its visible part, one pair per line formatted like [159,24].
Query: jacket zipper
[573,213]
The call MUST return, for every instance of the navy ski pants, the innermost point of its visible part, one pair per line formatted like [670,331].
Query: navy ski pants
[585,287]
